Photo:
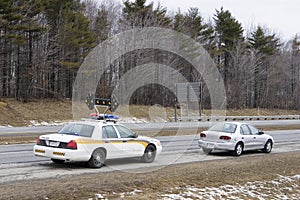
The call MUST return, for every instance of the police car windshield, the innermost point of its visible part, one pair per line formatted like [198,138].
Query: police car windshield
[77,129]
[125,132]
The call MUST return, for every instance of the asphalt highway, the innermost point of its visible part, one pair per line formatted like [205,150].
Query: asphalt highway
[17,162]
[22,153]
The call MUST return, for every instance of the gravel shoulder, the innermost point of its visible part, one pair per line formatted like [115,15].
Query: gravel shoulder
[171,179]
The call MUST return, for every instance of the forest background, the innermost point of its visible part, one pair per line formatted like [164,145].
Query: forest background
[44,42]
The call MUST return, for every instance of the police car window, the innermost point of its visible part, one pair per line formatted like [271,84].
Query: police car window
[253,130]
[125,132]
[109,132]
[104,134]
[77,129]
[86,130]
[245,130]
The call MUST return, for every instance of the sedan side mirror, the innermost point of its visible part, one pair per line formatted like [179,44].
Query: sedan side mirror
[261,133]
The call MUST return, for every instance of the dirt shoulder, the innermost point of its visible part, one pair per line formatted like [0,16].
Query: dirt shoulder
[153,185]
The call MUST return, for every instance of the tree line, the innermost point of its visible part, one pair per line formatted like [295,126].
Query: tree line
[44,42]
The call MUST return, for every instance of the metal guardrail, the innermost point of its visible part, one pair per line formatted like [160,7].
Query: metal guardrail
[238,118]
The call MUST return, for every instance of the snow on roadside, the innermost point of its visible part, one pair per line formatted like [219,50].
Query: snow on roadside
[60,123]
[8,126]
[284,187]
[132,120]
[122,195]
[36,123]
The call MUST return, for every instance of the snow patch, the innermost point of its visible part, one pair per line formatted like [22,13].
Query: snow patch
[286,187]
[132,120]
[7,126]
[43,123]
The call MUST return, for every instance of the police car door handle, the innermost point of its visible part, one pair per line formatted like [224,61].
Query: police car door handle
[106,141]
[124,140]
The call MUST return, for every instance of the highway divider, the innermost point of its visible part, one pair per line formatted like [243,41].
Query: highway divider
[239,118]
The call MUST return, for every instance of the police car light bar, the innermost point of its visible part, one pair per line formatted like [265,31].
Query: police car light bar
[105,117]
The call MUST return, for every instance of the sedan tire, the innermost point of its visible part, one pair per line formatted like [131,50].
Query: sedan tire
[97,159]
[268,147]
[238,150]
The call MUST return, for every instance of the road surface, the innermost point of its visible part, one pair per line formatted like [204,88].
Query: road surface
[17,162]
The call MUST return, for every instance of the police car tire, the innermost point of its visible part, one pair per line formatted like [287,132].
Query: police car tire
[57,161]
[149,154]
[97,159]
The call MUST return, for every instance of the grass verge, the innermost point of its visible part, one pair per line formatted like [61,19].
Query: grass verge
[171,179]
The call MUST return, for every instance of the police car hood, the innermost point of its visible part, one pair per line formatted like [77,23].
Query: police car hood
[145,138]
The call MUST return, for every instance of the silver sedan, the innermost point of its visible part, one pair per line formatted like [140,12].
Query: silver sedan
[236,137]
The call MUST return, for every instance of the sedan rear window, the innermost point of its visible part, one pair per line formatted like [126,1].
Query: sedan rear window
[224,127]
[77,129]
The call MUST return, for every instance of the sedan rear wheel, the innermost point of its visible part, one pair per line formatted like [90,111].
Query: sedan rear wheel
[238,149]
[268,147]
[97,159]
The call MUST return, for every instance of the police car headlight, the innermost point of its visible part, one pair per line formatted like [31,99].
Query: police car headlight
[157,142]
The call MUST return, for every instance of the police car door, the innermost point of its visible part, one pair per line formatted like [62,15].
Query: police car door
[112,142]
[131,146]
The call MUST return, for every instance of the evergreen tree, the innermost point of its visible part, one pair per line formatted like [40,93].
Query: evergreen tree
[295,72]
[229,33]
[69,41]
[137,14]
[193,25]
[263,46]
[102,26]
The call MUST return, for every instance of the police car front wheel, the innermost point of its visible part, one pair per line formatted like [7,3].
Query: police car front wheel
[149,154]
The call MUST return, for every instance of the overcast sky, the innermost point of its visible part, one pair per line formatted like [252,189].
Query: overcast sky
[280,16]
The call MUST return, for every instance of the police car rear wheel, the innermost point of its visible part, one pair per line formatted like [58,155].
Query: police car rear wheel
[149,154]
[97,159]
[57,161]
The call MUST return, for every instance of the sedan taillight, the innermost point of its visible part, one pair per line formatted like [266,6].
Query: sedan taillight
[202,135]
[223,137]
[72,145]
[38,141]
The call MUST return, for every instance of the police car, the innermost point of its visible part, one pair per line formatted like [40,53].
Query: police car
[93,141]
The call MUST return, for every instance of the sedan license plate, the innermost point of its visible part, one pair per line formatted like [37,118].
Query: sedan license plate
[210,145]
[54,144]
